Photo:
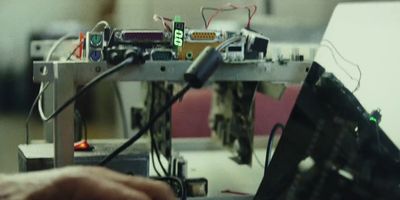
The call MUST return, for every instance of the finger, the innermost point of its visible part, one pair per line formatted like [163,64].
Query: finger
[94,188]
[106,190]
[157,190]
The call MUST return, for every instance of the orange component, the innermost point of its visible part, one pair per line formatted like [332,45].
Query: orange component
[81,41]
[83,146]
[190,50]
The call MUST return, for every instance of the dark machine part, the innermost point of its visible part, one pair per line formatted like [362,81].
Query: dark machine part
[134,161]
[114,55]
[203,67]
[141,36]
[328,149]
[159,93]
[256,45]
[233,117]
[193,187]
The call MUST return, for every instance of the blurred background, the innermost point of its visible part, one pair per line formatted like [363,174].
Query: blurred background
[22,21]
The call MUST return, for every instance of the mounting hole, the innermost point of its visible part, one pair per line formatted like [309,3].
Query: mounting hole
[163,68]
[307,69]
[38,47]
[189,55]
[43,70]
[97,69]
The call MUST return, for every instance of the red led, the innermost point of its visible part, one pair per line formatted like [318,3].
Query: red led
[83,146]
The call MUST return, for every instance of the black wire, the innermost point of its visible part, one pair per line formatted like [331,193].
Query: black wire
[28,118]
[153,162]
[170,179]
[82,120]
[73,51]
[158,155]
[146,127]
[121,109]
[270,141]
[89,85]
[152,134]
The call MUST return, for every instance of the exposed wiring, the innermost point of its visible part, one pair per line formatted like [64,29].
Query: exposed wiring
[157,152]
[228,42]
[100,23]
[153,161]
[163,21]
[48,57]
[28,118]
[89,85]
[154,145]
[271,140]
[332,48]
[56,44]
[74,50]
[43,86]
[146,127]
[228,7]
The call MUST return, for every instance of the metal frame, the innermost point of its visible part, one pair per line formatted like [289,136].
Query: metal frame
[65,76]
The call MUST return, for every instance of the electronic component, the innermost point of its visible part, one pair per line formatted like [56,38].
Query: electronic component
[94,46]
[256,45]
[234,52]
[190,50]
[194,35]
[134,161]
[178,31]
[162,54]
[329,148]
[202,68]
[141,36]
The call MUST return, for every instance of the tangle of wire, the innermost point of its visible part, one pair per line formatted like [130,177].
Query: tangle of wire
[164,21]
[229,7]
[332,48]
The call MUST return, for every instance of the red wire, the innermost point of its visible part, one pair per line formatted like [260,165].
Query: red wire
[235,7]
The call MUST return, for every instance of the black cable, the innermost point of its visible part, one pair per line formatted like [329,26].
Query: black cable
[270,141]
[89,85]
[146,127]
[151,131]
[153,162]
[154,145]
[171,179]
[156,149]
[73,51]
[82,120]
[28,118]
[121,109]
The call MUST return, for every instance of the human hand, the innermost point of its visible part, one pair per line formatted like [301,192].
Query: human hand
[78,182]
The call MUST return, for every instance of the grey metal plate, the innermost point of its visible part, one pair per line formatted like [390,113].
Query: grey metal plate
[292,72]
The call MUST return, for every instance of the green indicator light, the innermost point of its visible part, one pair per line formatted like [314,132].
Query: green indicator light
[177,18]
[373,119]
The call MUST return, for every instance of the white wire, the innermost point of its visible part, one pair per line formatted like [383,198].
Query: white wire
[102,22]
[42,86]
[48,57]
[157,18]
